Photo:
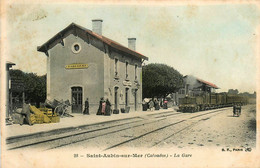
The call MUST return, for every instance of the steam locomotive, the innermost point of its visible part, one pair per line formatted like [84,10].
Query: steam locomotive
[209,101]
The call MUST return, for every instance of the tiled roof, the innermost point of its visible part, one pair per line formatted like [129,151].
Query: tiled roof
[109,42]
[203,81]
[208,83]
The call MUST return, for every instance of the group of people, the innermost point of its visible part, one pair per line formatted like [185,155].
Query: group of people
[103,109]
[154,104]
[105,106]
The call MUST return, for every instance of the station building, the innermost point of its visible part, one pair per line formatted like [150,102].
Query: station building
[85,64]
[194,86]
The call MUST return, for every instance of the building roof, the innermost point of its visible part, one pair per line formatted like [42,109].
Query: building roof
[208,83]
[46,46]
[204,82]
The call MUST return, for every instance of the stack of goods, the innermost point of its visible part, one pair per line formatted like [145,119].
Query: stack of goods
[39,119]
[54,118]
[33,119]
[32,115]
[39,115]
[17,117]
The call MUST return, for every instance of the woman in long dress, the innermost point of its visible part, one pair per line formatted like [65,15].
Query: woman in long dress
[100,106]
[108,108]
[86,110]
[103,107]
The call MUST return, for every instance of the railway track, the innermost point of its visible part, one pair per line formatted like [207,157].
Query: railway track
[139,128]
[157,133]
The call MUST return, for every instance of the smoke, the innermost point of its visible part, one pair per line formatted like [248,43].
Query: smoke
[191,81]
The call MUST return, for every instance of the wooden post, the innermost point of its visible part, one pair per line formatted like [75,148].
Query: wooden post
[11,104]
[7,91]
[8,66]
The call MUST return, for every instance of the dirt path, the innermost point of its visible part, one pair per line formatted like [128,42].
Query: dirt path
[222,130]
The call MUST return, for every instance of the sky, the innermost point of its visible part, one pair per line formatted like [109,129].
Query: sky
[216,43]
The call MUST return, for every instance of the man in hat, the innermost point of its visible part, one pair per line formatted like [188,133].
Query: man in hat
[86,110]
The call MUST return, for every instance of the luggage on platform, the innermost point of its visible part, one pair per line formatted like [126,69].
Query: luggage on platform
[122,110]
[17,118]
[55,119]
[32,119]
[115,111]
[46,119]
[127,109]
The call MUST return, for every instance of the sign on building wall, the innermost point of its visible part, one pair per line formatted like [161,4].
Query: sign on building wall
[127,83]
[76,66]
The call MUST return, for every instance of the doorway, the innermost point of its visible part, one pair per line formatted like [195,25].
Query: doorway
[135,97]
[76,99]
[116,98]
[126,97]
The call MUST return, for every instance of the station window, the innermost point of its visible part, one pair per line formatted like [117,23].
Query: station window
[126,66]
[135,72]
[76,47]
[116,67]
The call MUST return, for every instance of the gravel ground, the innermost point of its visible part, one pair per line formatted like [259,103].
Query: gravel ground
[223,130]
[148,133]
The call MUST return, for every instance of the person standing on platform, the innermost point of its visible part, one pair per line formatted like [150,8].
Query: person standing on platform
[86,110]
[103,107]
[156,104]
[151,105]
[165,102]
[99,112]
[108,108]
[145,105]
[161,102]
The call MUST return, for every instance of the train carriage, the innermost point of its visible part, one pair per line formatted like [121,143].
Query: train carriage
[221,100]
[213,100]
[210,101]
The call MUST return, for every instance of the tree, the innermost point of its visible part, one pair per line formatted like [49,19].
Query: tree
[34,86]
[159,80]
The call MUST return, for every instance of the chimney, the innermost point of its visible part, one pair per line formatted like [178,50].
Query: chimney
[131,43]
[97,26]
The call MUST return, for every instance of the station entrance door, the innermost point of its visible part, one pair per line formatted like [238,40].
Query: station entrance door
[76,99]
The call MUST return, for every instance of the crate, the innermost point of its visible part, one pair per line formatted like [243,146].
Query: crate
[48,112]
[46,119]
[55,119]
[39,122]
[35,111]
[32,119]
[39,118]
